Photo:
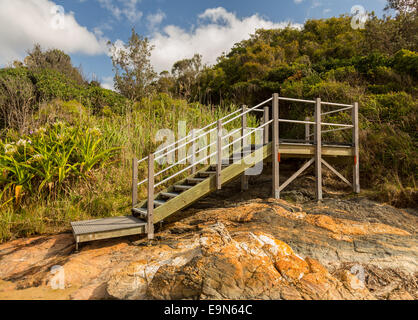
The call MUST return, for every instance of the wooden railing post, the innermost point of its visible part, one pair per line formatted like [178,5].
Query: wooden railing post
[134,182]
[318,149]
[244,177]
[266,128]
[356,167]
[193,151]
[275,147]
[219,157]
[150,215]
[307,130]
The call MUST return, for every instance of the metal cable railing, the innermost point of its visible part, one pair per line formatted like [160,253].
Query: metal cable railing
[193,139]
[185,138]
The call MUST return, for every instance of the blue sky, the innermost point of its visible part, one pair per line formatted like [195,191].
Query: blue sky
[178,28]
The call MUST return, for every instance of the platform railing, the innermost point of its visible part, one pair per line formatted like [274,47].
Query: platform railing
[245,133]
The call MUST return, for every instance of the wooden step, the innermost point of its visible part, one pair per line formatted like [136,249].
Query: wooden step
[85,231]
[142,212]
[236,155]
[169,194]
[183,188]
[190,192]
[207,173]
[158,203]
[213,167]
[195,180]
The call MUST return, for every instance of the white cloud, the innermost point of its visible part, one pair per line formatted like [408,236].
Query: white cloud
[217,32]
[26,22]
[298,1]
[155,20]
[123,8]
[107,83]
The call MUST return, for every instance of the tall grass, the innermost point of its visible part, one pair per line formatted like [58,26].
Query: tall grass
[74,167]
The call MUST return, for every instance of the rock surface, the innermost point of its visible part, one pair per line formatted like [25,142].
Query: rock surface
[259,249]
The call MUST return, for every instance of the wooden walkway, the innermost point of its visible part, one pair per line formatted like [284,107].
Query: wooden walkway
[204,179]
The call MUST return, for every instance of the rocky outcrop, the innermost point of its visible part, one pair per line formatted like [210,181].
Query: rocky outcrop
[261,249]
[249,266]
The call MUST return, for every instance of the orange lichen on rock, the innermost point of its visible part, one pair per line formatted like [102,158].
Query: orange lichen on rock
[276,248]
[292,267]
[349,227]
[242,214]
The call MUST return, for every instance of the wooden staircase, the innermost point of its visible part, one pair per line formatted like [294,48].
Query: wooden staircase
[210,178]
[196,186]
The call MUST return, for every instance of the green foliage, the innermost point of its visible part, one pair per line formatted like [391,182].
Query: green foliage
[65,181]
[377,66]
[48,158]
[22,91]
[134,73]
[51,84]
[53,59]
[185,73]
[406,62]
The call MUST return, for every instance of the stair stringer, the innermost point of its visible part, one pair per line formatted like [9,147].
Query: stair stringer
[207,186]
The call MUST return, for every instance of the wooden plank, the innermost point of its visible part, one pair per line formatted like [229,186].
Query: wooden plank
[195,180]
[159,203]
[105,224]
[275,147]
[318,149]
[134,182]
[194,151]
[309,150]
[169,194]
[209,185]
[180,187]
[171,188]
[244,177]
[299,172]
[142,212]
[208,173]
[111,234]
[150,216]
[339,175]
[219,157]
[356,166]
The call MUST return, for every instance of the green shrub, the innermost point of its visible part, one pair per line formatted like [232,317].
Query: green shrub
[406,61]
[48,158]
[17,98]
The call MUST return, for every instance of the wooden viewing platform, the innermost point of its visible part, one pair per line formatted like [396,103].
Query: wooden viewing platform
[204,179]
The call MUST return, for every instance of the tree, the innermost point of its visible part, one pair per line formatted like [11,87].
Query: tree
[186,72]
[403,6]
[54,59]
[17,96]
[165,82]
[393,34]
[134,74]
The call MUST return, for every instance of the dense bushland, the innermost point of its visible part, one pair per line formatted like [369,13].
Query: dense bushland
[66,148]
[377,66]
